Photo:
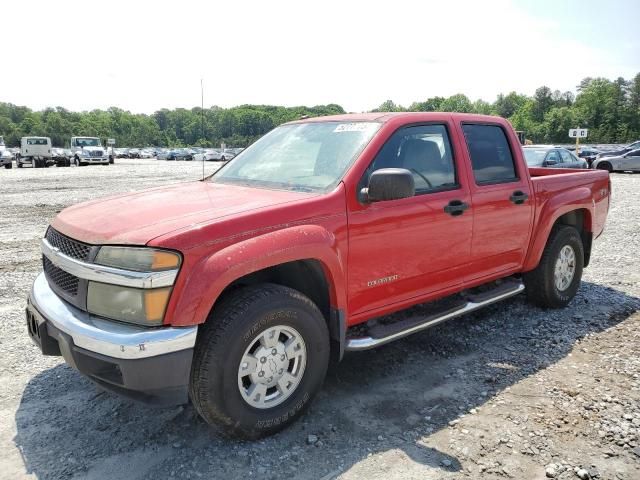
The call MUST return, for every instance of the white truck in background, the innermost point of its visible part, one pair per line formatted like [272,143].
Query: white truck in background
[34,151]
[88,151]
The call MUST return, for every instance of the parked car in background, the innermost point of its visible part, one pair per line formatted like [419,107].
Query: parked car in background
[180,154]
[629,161]
[60,157]
[34,151]
[6,158]
[215,155]
[122,152]
[134,153]
[208,155]
[164,155]
[621,151]
[588,153]
[146,154]
[552,157]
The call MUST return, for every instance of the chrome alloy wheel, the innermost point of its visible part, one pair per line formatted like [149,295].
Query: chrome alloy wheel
[565,268]
[272,367]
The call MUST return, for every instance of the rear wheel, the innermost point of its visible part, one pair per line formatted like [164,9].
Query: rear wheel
[259,360]
[556,279]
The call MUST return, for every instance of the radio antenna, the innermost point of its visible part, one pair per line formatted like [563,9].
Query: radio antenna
[202,117]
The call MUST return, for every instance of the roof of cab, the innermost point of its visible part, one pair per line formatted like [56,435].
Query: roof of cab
[384,117]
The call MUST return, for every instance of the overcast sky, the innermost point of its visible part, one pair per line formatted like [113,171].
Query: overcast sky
[143,56]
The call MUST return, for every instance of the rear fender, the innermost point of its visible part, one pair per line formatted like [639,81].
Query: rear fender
[213,274]
[558,205]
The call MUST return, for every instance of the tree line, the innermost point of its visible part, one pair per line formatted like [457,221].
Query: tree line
[609,108]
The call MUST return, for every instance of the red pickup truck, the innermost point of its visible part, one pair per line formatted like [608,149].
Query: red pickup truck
[236,291]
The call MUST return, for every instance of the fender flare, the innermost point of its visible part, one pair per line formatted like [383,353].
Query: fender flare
[210,276]
[575,199]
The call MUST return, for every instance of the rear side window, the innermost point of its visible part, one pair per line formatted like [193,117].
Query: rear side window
[490,154]
[36,141]
[566,156]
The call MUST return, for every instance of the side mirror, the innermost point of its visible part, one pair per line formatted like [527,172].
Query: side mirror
[551,161]
[388,184]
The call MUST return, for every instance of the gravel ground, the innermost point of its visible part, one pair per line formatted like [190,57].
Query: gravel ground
[510,392]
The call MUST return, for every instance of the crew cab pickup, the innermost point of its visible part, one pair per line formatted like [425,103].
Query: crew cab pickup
[237,290]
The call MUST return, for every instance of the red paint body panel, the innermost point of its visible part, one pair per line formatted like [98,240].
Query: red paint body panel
[225,232]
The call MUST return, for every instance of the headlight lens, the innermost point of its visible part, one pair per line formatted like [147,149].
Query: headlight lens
[133,305]
[138,259]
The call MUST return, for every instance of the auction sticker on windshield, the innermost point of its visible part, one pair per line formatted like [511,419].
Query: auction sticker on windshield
[352,127]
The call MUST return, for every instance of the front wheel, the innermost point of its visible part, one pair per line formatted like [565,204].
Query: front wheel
[605,166]
[259,360]
[556,279]
[8,165]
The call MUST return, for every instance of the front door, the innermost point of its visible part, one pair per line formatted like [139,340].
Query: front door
[502,202]
[408,248]
[631,160]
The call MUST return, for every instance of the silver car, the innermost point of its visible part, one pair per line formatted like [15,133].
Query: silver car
[629,161]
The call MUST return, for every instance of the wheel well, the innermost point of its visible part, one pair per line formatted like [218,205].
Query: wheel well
[306,276]
[580,220]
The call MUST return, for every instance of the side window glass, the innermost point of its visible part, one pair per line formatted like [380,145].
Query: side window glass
[553,156]
[425,151]
[490,154]
[566,156]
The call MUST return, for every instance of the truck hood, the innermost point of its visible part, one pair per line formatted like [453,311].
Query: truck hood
[137,218]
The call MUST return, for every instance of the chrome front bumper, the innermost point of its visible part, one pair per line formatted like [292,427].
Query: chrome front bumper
[105,337]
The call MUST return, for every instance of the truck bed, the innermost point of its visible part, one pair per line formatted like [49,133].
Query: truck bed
[593,188]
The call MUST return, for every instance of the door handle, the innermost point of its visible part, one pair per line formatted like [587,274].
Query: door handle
[518,197]
[456,207]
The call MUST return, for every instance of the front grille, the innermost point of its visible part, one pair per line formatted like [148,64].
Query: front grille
[61,279]
[95,153]
[71,248]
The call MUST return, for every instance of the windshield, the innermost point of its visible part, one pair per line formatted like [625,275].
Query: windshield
[534,157]
[88,142]
[303,156]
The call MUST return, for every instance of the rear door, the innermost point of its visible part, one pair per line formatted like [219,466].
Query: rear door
[502,204]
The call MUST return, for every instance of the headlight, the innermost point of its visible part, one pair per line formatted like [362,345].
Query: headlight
[133,305]
[128,304]
[139,259]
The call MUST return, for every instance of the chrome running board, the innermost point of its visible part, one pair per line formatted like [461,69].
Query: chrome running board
[407,327]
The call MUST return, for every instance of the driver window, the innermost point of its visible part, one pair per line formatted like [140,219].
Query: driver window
[423,150]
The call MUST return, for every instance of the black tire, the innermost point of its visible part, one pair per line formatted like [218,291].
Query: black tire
[222,159]
[8,165]
[540,283]
[222,341]
[605,166]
